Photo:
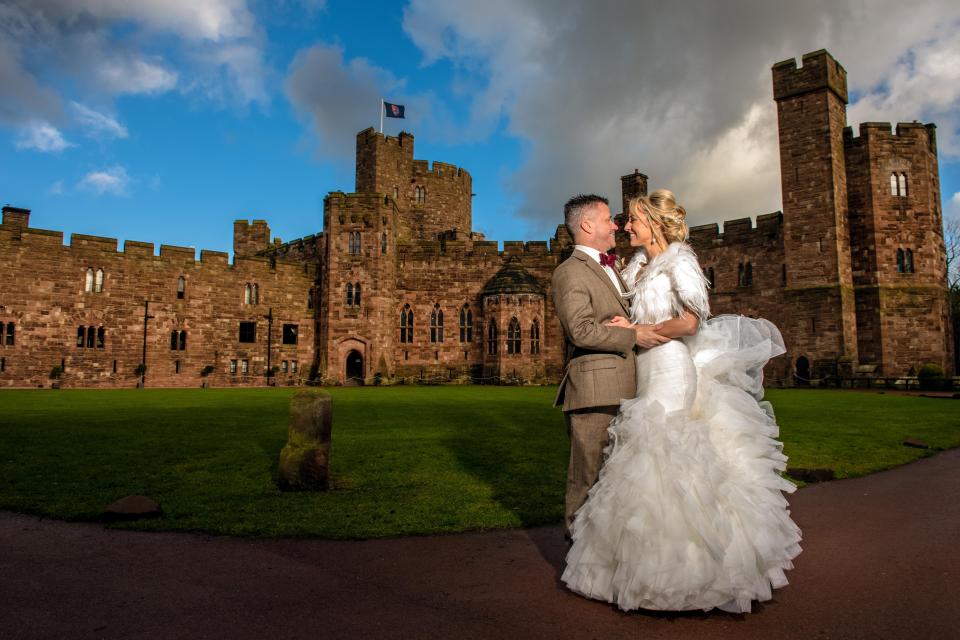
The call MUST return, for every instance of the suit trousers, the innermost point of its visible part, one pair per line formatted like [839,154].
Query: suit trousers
[587,429]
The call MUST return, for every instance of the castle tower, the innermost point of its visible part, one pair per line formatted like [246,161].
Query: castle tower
[249,238]
[811,111]
[430,199]
[898,252]
[633,185]
[513,315]
[356,325]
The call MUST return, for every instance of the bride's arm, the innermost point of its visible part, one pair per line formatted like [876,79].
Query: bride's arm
[684,325]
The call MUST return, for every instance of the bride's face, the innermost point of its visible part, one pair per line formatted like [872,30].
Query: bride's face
[638,228]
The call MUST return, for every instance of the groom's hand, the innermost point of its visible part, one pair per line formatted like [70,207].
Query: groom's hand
[620,321]
[647,335]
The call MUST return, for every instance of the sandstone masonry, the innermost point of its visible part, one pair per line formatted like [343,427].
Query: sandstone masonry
[397,285]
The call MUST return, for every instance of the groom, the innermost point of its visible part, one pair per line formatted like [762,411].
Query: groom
[601,371]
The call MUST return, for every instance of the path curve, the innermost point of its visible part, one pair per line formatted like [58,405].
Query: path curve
[881,559]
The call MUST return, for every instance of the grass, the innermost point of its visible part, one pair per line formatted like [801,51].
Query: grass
[405,460]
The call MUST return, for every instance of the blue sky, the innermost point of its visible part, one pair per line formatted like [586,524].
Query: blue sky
[164,121]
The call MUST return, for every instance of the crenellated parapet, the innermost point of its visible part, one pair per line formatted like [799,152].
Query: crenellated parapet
[819,71]
[741,231]
[91,249]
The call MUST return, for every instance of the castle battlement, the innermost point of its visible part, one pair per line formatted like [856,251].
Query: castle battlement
[404,139]
[881,130]
[819,70]
[85,246]
[438,170]
[461,249]
[738,230]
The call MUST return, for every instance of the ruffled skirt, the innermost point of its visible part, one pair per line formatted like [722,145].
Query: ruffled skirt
[689,512]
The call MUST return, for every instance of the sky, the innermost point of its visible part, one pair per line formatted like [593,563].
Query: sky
[165,120]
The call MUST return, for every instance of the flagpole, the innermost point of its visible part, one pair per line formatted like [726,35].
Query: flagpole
[381,115]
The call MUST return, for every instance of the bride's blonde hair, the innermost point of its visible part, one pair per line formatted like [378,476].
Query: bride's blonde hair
[662,209]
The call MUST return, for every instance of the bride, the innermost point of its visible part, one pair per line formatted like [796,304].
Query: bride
[688,512]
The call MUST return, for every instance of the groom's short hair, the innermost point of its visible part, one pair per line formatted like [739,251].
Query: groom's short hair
[576,208]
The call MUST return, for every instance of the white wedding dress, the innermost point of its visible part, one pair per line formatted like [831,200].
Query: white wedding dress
[688,512]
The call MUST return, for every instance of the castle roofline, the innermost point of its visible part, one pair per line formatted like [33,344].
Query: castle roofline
[512,278]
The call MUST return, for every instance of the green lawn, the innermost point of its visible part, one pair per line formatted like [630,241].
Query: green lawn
[405,460]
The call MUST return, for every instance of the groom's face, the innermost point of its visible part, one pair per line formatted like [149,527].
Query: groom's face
[604,228]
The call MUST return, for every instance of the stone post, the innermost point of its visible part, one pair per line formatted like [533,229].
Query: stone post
[305,460]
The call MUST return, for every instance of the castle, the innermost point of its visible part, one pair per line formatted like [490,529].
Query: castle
[398,285]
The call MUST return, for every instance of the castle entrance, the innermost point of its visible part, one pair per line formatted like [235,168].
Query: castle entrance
[355,367]
[803,370]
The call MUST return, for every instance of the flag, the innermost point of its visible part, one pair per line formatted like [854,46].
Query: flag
[393,110]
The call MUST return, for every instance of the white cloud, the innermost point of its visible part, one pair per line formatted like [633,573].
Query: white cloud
[41,136]
[134,75]
[113,180]
[923,84]
[953,208]
[56,189]
[96,124]
[109,48]
[337,97]
[681,91]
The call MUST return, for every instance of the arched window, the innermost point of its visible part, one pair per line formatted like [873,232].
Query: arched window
[396,192]
[513,337]
[893,185]
[420,194]
[740,275]
[900,260]
[349,294]
[748,275]
[356,294]
[908,263]
[183,341]
[255,293]
[98,283]
[81,336]
[383,242]
[91,337]
[101,338]
[902,179]
[436,324]
[535,338]
[466,324]
[173,341]
[353,243]
[406,324]
[88,281]
[181,287]
[710,278]
[247,294]
[492,338]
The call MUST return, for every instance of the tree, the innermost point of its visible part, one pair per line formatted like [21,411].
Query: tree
[951,241]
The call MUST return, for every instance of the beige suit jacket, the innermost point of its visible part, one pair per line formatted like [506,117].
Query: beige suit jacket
[600,367]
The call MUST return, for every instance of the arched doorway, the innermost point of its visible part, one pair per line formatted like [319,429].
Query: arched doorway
[803,371]
[355,366]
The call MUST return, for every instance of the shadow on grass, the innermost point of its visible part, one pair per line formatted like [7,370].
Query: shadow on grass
[523,461]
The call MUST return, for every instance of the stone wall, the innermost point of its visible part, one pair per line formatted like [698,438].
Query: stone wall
[47,301]
[824,271]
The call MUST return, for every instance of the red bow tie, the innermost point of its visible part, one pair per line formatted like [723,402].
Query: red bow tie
[608,260]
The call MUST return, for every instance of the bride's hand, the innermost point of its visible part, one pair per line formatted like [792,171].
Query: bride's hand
[620,321]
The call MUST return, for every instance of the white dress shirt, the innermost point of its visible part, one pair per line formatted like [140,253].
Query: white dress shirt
[593,253]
